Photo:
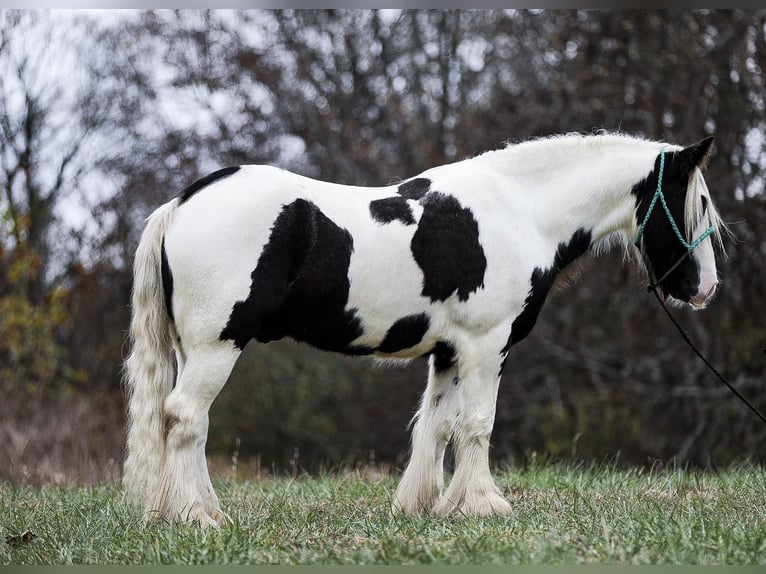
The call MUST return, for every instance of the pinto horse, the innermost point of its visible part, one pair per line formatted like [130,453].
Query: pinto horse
[454,264]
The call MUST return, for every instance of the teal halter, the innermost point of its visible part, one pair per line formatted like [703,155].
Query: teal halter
[658,194]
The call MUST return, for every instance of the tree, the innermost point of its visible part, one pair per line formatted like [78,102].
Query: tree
[370,97]
[42,148]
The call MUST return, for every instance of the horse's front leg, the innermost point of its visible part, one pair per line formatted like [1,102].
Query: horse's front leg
[423,479]
[472,491]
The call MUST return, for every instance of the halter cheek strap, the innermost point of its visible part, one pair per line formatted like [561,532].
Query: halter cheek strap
[661,196]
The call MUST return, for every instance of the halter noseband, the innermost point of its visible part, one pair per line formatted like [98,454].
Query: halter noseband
[689,246]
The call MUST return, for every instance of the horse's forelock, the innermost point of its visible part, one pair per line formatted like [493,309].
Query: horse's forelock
[700,207]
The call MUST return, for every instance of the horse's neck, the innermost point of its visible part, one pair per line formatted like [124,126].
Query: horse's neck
[580,183]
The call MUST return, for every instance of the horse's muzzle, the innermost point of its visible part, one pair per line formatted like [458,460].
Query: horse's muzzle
[705,292]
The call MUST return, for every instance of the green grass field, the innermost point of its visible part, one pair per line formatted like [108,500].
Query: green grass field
[561,515]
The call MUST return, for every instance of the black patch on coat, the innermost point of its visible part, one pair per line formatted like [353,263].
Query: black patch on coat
[444,356]
[415,188]
[541,281]
[300,285]
[167,280]
[391,209]
[205,181]
[660,244]
[405,333]
[447,249]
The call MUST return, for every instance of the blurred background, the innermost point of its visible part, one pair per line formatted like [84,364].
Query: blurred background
[105,115]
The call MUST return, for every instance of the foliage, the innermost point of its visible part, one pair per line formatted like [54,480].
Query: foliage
[301,399]
[31,356]
[561,515]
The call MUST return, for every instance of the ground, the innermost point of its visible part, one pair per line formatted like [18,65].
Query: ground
[561,515]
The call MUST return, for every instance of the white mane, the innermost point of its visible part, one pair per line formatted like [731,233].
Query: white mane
[567,148]
[561,151]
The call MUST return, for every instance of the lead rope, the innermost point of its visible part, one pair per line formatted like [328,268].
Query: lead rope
[654,284]
[702,357]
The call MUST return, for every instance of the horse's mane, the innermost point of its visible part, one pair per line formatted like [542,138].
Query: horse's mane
[568,146]
[560,149]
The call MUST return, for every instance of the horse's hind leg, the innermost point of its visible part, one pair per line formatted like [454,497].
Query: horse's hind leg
[185,491]
[423,479]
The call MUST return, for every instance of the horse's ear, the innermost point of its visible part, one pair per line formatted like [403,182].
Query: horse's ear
[695,156]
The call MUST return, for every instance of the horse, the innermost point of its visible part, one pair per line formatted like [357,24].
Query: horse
[453,264]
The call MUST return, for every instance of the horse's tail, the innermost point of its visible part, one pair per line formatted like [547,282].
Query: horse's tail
[149,370]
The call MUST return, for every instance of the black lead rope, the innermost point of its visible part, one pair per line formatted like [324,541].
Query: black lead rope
[653,286]
[694,348]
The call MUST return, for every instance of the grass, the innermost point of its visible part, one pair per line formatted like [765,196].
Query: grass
[561,515]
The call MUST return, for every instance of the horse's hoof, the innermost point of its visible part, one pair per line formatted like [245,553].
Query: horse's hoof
[486,505]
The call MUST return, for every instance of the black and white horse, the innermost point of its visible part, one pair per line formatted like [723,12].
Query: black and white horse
[454,264]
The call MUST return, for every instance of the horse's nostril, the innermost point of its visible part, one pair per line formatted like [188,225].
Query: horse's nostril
[704,293]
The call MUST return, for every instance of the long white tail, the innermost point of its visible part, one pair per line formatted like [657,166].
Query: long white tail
[149,370]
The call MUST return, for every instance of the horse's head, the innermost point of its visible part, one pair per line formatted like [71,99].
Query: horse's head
[677,247]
